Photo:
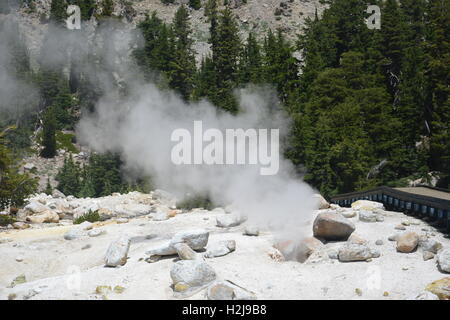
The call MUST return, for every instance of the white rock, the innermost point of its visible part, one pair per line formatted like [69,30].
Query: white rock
[160,215]
[57,194]
[354,252]
[225,290]
[251,231]
[229,220]
[367,216]
[74,233]
[430,245]
[189,274]
[367,205]
[443,259]
[221,248]
[36,207]
[196,239]
[117,252]
[96,232]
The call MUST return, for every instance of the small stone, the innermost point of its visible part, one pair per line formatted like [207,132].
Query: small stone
[427,255]
[379,242]
[12,296]
[153,259]
[393,237]
[95,232]
[220,248]
[88,246]
[103,289]
[354,252]
[121,220]
[385,294]
[406,223]
[119,289]
[400,227]
[251,231]
[18,280]
[19,259]
[358,291]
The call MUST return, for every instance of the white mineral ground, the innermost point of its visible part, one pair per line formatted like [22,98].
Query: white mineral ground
[50,263]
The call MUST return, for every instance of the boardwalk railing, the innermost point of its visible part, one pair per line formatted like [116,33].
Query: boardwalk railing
[434,208]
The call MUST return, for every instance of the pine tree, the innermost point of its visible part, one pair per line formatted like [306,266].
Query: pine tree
[107,8]
[438,57]
[87,8]
[58,13]
[48,188]
[195,4]
[68,177]
[49,134]
[182,67]
[250,65]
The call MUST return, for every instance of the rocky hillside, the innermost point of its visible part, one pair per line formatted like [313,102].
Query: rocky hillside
[139,246]
[255,15]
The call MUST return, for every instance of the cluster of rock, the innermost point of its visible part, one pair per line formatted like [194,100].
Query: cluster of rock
[334,223]
[57,208]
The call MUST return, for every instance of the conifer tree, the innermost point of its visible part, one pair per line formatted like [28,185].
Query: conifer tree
[49,134]
[58,13]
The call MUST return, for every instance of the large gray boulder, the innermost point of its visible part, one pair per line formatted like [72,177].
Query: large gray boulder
[117,252]
[332,226]
[191,274]
[430,245]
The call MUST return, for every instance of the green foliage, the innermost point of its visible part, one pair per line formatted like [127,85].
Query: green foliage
[90,216]
[14,187]
[48,189]
[107,8]
[49,134]
[68,177]
[195,4]
[195,201]
[58,12]
[6,219]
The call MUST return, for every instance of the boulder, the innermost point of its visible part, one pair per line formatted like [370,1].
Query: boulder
[407,242]
[367,205]
[229,220]
[305,248]
[367,216]
[48,216]
[191,274]
[74,233]
[354,252]
[117,252]
[443,259]
[332,226]
[440,288]
[220,248]
[430,245]
[96,232]
[131,209]
[251,231]
[195,239]
[20,225]
[321,202]
[185,252]
[226,290]
[35,207]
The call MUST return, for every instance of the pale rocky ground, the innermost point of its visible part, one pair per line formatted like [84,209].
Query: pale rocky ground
[53,266]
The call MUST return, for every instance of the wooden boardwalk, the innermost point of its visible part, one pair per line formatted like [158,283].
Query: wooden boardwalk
[422,201]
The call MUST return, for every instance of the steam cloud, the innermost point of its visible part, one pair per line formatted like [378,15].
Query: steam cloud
[139,127]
